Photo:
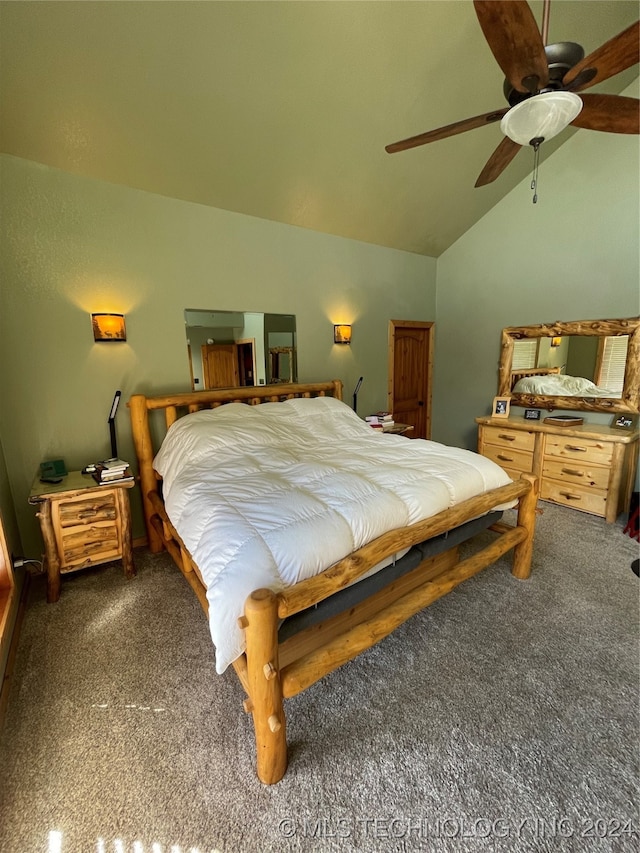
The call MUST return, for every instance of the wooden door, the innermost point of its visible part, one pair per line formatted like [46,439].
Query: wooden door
[410,371]
[246,361]
[220,366]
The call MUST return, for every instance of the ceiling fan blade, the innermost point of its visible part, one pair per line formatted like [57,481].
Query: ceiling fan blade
[611,113]
[620,52]
[513,36]
[444,132]
[498,162]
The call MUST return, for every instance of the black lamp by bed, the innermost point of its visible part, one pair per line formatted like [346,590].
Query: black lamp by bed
[355,394]
[112,424]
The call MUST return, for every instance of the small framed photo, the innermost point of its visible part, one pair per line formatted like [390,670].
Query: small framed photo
[624,421]
[501,407]
[532,414]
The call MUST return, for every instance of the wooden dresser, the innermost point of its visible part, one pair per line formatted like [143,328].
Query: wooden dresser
[588,467]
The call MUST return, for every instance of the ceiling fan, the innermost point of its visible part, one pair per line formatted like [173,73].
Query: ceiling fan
[541,84]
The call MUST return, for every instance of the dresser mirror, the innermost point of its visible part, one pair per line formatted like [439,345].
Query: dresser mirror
[230,349]
[589,365]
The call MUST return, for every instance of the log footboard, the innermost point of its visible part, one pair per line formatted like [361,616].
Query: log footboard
[268,680]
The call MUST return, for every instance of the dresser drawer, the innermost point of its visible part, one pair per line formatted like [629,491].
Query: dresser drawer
[99,506]
[584,449]
[577,497]
[505,437]
[573,472]
[508,458]
[511,472]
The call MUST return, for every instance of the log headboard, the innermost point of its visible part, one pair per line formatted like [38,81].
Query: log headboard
[516,375]
[175,405]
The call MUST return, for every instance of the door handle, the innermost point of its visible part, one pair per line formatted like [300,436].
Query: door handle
[421,402]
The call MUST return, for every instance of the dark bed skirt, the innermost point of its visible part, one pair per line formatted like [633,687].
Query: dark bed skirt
[357,592]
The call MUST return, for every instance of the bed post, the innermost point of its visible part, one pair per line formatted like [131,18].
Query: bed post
[265,688]
[522,553]
[144,452]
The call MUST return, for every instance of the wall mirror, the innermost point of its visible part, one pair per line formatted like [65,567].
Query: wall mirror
[591,365]
[228,349]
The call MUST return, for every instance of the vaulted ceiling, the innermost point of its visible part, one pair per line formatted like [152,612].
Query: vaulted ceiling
[279,110]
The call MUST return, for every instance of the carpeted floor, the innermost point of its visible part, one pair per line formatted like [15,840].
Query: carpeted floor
[504,717]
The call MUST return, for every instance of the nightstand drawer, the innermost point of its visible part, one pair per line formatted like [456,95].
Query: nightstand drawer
[505,437]
[507,457]
[577,497]
[86,510]
[588,476]
[86,544]
[584,449]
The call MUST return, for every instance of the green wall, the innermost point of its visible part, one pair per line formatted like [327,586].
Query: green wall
[72,245]
[572,256]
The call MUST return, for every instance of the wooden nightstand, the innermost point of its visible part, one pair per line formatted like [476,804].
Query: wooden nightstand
[398,429]
[83,524]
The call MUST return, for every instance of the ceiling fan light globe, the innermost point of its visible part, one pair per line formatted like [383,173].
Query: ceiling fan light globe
[540,116]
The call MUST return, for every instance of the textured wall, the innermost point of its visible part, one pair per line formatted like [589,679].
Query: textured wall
[572,256]
[72,245]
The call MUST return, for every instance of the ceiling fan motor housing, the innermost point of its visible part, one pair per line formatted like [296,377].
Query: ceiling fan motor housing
[560,58]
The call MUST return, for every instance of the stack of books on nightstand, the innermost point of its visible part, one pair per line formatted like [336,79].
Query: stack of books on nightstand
[112,471]
[381,420]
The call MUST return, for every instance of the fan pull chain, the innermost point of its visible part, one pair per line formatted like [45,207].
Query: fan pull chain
[536,162]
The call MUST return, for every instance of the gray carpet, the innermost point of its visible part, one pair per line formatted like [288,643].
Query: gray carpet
[504,717]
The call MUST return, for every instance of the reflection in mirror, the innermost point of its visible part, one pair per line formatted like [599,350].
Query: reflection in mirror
[591,365]
[228,349]
[551,365]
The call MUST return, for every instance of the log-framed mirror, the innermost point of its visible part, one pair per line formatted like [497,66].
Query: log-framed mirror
[545,373]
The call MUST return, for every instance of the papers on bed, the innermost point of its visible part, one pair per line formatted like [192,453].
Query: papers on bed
[560,385]
[265,496]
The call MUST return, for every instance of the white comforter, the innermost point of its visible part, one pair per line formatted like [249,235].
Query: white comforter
[561,385]
[264,496]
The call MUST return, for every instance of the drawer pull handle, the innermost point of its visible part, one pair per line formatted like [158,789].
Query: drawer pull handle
[577,449]
[572,472]
[87,513]
[507,437]
[570,497]
[504,458]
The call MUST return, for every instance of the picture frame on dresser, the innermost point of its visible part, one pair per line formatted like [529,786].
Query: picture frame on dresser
[625,422]
[501,406]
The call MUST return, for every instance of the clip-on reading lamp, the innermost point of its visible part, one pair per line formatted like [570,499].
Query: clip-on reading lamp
[112,424]
[355,394]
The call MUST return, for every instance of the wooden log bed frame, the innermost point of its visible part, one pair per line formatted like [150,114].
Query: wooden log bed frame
[526,373]
[273,670]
